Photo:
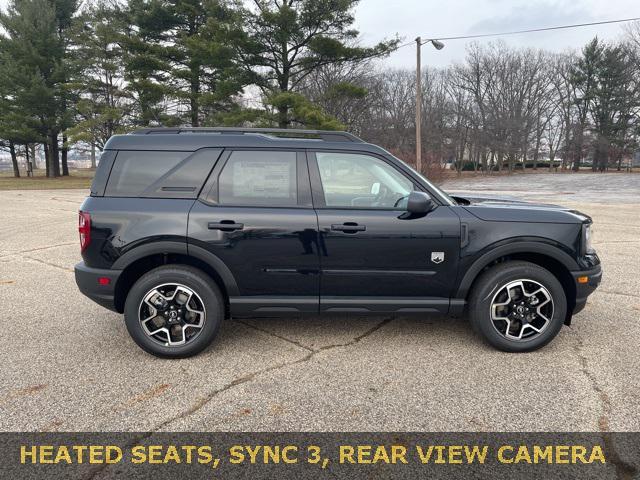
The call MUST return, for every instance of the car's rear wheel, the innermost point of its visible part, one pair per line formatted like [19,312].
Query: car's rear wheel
[517,306]
[174,311]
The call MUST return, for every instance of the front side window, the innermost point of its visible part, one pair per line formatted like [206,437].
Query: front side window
[259,178]
[361,181]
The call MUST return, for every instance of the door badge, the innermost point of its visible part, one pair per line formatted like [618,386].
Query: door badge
[437,257]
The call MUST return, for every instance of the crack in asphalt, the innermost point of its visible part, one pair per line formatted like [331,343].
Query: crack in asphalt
[618,293]
[251,376]
[617,242]
[624,470]
[281,337]
[600,224]
[26,257]
[38,249]
[202,402]
[73,212]
[61,199]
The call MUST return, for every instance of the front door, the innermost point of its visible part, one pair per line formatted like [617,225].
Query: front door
[257,218]
[373,255]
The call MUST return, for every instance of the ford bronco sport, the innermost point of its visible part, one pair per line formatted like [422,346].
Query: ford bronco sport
[185,227]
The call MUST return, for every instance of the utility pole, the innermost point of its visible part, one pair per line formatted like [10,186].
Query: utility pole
[418,106]
[439,46]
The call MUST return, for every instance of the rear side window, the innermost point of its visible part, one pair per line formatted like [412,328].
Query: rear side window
[160,174]
[259,179]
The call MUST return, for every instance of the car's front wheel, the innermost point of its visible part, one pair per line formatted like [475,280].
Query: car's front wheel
[174,311]
[517,306]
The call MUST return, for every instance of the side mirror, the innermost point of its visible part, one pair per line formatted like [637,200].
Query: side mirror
[419,203]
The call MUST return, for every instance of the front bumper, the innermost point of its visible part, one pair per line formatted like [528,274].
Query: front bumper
[584,289]
[91,283]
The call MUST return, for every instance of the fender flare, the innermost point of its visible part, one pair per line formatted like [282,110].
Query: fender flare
[181,248]
[516,246]
[147,249]
[218,265]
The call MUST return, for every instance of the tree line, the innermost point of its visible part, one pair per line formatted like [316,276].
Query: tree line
[73,75]
[501,108]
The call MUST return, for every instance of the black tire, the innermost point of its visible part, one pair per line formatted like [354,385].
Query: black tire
[496,278]
[198,282]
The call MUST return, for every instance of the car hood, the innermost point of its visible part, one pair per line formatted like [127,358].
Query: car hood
[505,209]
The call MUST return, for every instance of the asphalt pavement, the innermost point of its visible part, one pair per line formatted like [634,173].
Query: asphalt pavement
[67,364]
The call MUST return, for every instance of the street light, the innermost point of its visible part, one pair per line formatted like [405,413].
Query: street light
[438,46]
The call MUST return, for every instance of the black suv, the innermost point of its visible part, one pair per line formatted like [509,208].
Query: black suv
[185,227]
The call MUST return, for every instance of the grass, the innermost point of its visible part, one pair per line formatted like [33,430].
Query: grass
[81,178]
[78,178]
[450,174]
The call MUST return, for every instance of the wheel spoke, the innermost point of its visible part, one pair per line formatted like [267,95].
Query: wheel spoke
[185,291]
[153,314]
[544,317]
[181,341]
[159,330]
[540,305]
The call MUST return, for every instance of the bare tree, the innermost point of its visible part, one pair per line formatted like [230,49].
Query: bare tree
[501,108]
[343,91]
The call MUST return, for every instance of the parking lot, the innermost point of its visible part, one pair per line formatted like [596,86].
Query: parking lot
[68,364]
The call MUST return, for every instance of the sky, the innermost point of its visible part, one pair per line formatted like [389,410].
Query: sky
[383,19]
[380,19]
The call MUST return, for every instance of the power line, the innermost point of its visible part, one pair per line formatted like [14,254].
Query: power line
[532,30]
[561,27]
[437,43]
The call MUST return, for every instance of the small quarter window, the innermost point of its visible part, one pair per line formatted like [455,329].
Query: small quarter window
[259,179]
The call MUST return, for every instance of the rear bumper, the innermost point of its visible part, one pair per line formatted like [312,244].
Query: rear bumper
[583,290]
[88,281]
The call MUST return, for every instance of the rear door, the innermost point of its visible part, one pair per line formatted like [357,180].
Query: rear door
[374,255]
[255,214]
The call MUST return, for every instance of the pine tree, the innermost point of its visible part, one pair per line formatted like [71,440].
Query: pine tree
[15,127]
[584,79]
[612,105]
[288,40]
[605,79]
[35,68]
[180,62]
[104,105]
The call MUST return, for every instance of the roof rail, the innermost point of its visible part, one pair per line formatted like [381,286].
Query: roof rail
[326,135]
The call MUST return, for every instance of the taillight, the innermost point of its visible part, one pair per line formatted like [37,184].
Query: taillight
[84,228]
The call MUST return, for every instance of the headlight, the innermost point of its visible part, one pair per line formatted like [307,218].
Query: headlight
[587,233]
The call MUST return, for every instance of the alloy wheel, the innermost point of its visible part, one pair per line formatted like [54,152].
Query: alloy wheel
[172,314]
[521,309]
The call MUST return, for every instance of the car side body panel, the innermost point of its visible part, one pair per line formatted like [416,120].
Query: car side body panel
[127,226]
[275,253]
[290,260]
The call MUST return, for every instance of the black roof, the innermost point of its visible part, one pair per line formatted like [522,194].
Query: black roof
[191,139]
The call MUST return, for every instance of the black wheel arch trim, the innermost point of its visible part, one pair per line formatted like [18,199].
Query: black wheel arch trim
[513,247]
[218,265]
[181,248]
[148,249]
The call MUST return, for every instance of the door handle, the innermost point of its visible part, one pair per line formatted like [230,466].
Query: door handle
[225,226]
[348,227]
